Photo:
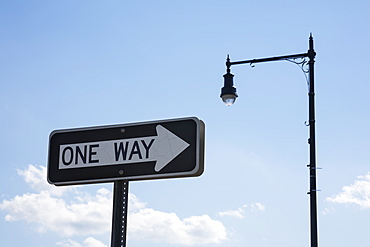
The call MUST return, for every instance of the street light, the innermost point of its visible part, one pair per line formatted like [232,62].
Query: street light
[228,92]
[229,95]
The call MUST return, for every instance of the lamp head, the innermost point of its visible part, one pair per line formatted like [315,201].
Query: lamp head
[228,92]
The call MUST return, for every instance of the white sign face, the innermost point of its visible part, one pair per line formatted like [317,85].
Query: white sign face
[162,149]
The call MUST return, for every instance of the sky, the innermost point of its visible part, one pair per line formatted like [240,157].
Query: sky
[72,64]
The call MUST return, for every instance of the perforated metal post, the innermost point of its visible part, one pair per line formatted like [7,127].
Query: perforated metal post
[119,221]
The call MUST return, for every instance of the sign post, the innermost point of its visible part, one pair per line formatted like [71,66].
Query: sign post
[121,153]
[119,219]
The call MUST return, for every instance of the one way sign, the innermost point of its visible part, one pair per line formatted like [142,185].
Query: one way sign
[151,150]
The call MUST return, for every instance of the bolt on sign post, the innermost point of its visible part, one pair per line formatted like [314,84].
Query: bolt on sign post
[121,153]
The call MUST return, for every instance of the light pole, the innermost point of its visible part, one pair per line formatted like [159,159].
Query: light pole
[228,95]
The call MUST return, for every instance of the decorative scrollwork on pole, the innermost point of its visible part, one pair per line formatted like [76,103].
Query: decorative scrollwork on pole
[303,65]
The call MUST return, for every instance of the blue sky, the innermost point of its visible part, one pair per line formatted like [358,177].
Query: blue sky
[69,64]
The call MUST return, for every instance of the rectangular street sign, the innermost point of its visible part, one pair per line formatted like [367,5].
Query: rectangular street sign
[136,151]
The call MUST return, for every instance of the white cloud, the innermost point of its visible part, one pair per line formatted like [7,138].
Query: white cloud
[257,206]
[69,243]
[327,211]
[88,242]
[157,226]
[238,213]
[36,176]
[92,242]
[242,211]
[90,215]
[356,193]
[50,211]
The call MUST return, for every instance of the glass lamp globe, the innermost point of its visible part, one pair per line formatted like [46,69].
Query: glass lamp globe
[228,99]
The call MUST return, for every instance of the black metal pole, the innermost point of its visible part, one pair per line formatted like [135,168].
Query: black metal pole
[312,142]
[119,220]
[312,139]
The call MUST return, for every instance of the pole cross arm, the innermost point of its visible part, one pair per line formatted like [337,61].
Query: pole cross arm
[268,59]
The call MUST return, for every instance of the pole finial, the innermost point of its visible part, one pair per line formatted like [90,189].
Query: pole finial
[228,64]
